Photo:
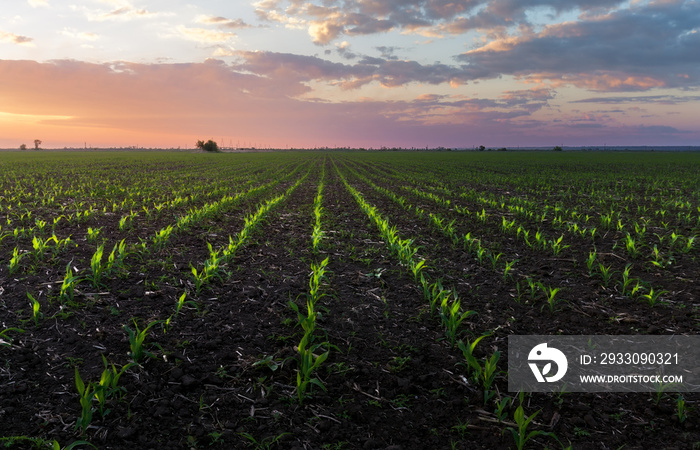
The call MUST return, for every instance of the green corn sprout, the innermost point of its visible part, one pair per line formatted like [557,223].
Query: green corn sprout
[494,257]
[93,234]
[40,246]
[532,284]
[417,268]
[162,236]
[86,395]
[681,410]
[626,279]
[136,340]
[606,273]
[308,363]
[467,349]
[68,285]
[5,339]
[488,374]
[551,294]
[438,295]
[508,267]
[40,224]
[96,267]
[35,308]
[630,245]
[317,275]
[14,261]
[557,245]
[521,435]
[501,408]
[652,297]
[109,383]
[452,317]
[590,261]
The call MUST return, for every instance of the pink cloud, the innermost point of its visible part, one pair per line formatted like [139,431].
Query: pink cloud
[161,105]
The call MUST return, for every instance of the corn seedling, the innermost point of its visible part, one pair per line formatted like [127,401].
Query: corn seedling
[5,339]
[162,236]
[308,363]
[488,374]
[452,317]
[540,240]
[136,340]
[68,285]
[317,274]
[521,435]
[500,410]
[96,268]
[626,279]
[606,273]
[467,349]
[40,224]
[494,257]
[93,234]
[681,409]
[14,261]
[557,246]
[630,245]
[316,237]
[416,269]
[590,261]
[86,395]
[506,270]
[532,284]
[652,297]
[34,303]
[40,246]
[550,295]
[109,384]
[438,295]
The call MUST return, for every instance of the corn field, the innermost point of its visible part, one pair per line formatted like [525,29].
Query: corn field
[335,300]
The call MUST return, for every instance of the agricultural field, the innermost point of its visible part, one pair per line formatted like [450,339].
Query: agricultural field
[335,300]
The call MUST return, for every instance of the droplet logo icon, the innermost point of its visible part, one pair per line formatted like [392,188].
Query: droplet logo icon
[543,353]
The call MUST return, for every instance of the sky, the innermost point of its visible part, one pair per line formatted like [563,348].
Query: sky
[349,73]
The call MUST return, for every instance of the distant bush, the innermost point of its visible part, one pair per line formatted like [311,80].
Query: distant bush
[209,146]
[557,149]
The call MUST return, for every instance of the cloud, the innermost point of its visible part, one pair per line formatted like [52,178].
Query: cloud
[330,19]
[222,22]
[38,3]
[122,11]
[287,67]
[263,96]
[82,35]
[660,99]
[204,35]
[12,38]
[214,98]
[606,52]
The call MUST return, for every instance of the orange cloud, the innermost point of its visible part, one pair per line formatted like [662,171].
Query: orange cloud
[12,38]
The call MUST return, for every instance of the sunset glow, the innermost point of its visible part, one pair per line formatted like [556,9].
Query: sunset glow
[289,73]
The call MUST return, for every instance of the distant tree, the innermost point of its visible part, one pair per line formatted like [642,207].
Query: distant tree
[37,143]
[23,147]
[557,148]
[482,148]
[209,146]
